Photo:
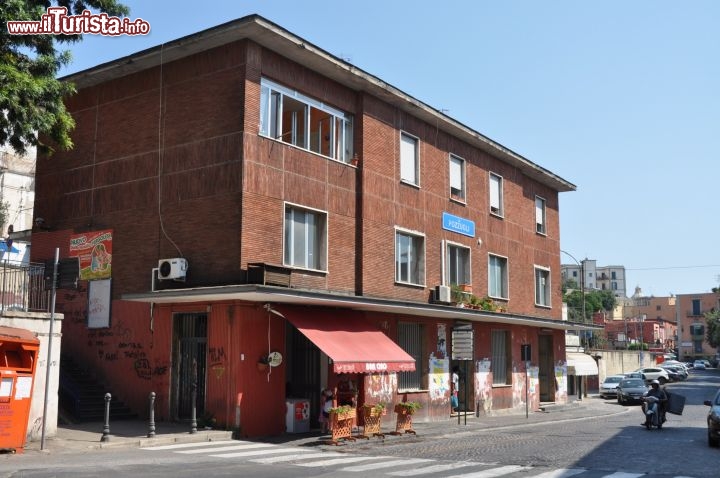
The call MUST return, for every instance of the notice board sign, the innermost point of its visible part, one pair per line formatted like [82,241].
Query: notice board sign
[462,341]
[99,303]
[94,251]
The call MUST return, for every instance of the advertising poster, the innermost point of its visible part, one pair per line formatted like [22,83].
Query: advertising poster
[94,252]
[439,378]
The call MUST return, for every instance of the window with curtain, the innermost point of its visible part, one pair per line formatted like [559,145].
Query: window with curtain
[409,258]
[542,286]
[497,277]
[411,340]
[501,359]
[305,238]
[540,215]
[496,194]
[409,163]
[458,265]
[457,178]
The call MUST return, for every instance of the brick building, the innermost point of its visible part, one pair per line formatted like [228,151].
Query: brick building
[278,220]
[692,325]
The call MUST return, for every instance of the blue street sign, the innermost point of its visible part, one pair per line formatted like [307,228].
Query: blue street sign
[457,224]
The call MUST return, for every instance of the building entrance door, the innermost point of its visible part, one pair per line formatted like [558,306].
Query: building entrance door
[189,364]
[546,365]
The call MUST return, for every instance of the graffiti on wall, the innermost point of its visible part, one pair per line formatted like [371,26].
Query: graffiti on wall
[439,379]
[561,382]
[381,387]
[218,360]
[483,384]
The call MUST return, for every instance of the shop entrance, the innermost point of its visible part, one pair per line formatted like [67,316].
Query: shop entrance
[189,364]
[466,392]
[303,371]
[546,368]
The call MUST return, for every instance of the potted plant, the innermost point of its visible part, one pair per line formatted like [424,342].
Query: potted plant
[373,410]
[407,408]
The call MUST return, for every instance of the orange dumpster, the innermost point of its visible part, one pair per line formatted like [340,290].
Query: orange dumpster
[18,359]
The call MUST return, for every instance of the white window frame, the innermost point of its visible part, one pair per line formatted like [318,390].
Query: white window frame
[339,135]
[542,287]
[420,257]
[540,215]
[462,196]
[496,195]
[505,293]
[409,166]
[468,266]
[320,235]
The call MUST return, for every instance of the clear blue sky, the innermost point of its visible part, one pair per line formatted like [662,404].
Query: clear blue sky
[620,98]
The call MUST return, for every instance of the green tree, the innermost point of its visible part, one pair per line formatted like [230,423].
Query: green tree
[712,334]
[31,97]
[595,301]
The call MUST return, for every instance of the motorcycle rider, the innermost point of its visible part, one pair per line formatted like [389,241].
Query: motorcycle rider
[659,393]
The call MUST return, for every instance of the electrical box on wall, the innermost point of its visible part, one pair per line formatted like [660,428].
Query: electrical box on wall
[172,269]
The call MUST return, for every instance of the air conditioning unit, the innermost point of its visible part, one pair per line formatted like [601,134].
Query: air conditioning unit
[442,294]
[172,269]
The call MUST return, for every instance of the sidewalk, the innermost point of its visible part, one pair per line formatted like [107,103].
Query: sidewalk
[133,433]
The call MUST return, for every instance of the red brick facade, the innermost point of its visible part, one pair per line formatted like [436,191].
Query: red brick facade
[170,158]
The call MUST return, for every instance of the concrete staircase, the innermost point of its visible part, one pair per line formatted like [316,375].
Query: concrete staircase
[82,396]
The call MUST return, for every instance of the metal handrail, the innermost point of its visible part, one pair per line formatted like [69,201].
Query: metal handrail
[22,287]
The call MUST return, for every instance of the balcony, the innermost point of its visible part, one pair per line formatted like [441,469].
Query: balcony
[22,288]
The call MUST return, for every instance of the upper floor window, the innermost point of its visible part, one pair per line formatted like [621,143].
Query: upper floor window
[496,194]
[696,307]
[613,276]
[293,118]
[409,258]
[305,237]
[498,277]
[542,286]
[457,178]
[540,226]
[458,265]
[409,160]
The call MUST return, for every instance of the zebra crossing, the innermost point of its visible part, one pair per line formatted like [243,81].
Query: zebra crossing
[269,454]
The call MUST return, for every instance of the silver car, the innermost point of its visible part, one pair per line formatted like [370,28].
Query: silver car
[608,389]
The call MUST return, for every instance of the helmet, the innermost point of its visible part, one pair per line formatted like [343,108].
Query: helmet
[654,382]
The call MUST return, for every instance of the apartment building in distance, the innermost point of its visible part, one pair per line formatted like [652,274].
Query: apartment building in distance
[692,326]
[256,220]
[589,275]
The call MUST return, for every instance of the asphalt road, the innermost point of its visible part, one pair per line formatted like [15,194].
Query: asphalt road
[612,446]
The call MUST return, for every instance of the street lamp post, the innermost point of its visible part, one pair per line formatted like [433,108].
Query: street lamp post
[582,281]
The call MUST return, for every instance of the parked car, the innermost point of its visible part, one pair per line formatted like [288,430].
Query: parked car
[608,389]
[707,363]
[633,375]
[676,374]
[699,365]
[655,373]
[713,420]
[631,390]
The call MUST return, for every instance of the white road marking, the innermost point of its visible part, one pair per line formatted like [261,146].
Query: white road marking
[494,472]
[561,473]
[228,448]
[386,464]
[341,461]
[177,446]
[436,468]
[271,451]
[294,457]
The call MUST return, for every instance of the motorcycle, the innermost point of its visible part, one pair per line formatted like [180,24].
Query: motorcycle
[654,415]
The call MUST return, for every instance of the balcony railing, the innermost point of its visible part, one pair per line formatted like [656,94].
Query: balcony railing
[22,287]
